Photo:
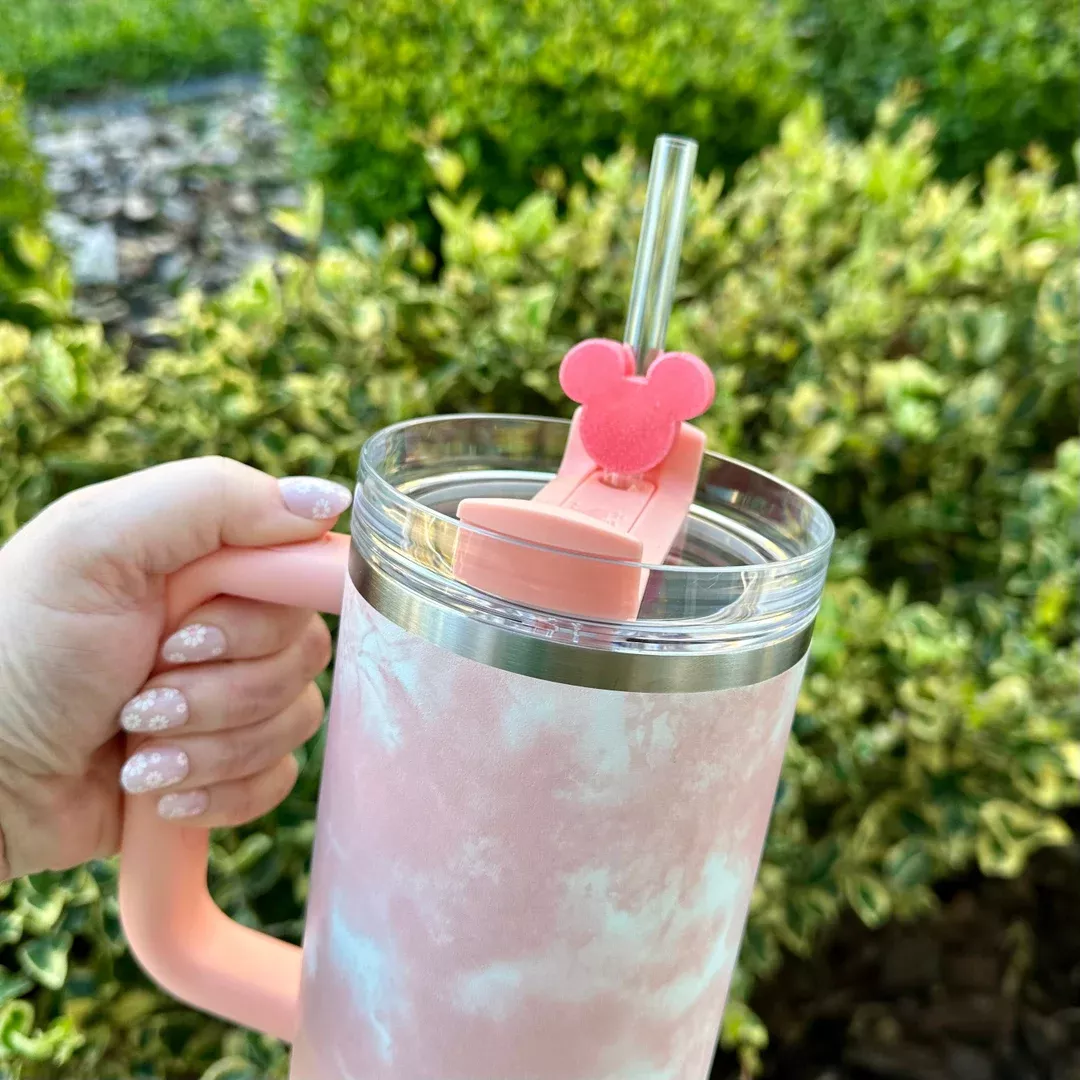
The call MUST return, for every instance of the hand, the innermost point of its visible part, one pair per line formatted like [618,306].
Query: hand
[218,707]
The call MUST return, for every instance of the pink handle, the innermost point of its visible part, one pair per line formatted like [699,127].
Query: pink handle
[175,930]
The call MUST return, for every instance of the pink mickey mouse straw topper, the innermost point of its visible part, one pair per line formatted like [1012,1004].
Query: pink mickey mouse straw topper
[628,422]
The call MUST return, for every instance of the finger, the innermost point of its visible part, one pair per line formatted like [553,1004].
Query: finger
[235,802]
[186,762]
[162,518]
[213,697]
[228,628]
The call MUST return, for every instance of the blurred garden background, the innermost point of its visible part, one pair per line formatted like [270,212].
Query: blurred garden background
[265,228]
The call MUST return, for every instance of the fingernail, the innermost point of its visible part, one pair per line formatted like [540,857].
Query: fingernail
[182,804]
[193,644]
[149,770]
[312,497]
[155,710]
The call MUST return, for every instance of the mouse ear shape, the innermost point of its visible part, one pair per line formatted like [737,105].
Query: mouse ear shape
[593,368]
[683,383]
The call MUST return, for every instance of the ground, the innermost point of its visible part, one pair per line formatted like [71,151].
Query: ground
[988,989]
[159,192]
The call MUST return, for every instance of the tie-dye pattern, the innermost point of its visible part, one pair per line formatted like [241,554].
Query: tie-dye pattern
[521,880]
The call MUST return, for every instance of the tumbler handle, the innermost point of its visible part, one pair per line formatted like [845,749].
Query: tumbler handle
[180,937]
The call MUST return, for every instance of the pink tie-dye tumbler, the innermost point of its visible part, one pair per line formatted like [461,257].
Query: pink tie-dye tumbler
[551,761]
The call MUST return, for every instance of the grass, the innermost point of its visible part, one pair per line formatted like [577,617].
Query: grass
[63,47]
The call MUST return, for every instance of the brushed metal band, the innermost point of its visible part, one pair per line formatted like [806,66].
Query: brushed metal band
[539,658]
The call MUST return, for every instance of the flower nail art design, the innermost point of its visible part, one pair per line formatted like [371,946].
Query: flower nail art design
[182,804]
[155,710]
[148,770]
[194,644]
[312,497]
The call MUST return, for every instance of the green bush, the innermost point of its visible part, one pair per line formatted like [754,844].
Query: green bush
[87,45]
[34,286]
[898,345]
[994,75]
[384,95]
[386,99]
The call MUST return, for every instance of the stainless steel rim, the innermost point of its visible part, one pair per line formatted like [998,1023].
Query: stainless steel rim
[526,654]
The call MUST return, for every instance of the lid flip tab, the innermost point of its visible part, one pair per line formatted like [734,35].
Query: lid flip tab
[631,463]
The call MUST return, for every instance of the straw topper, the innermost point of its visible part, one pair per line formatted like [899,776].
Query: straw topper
[622,493]
[629,422]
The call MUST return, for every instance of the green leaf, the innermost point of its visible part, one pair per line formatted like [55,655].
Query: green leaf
[447,167]
[41,911]
[231,1068]
[1010,832]
[250,851]
[55,1045]
[16,1018]
[45,959]
[31,246]
[134,1007]
[59,375]
[743,1027]
[13,985]
[868,898]
[313,213]
[289,222]
[909,864]
[11,927]
[1000,857]
[993,332]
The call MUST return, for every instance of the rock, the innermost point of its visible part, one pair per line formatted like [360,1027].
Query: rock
[137,254]
[1045,1036]
[151,198]
[100,207]
[912,963]
[170,268]
[66,144]
[289,198]
[66,229]
[89,161]
[127,155]
[171,133]
[180,210]
[139,207]
[219,154]
[147,338]
[107,310]
[979,1017]
[94,205]
[161,243]
[243,202]
[63,180]
[129,130]
[967,1063]
[94,260]
[165,184]
[973,971]
[81,205]
[899,1062]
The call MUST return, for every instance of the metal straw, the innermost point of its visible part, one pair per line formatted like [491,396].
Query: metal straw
[659,248]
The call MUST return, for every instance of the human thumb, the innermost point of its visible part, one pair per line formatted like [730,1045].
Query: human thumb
[156,521]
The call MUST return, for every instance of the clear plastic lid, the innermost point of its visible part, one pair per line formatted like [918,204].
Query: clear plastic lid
[747,572]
